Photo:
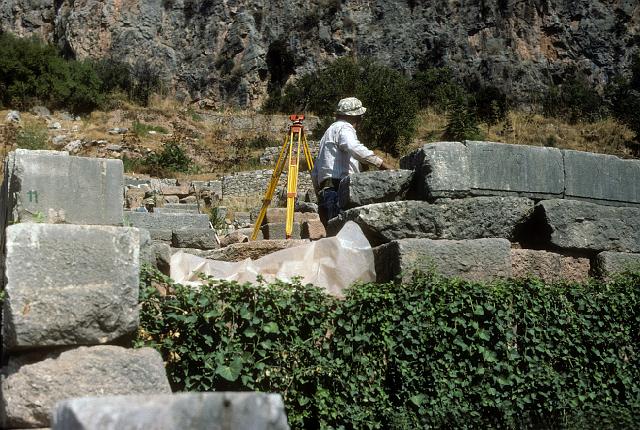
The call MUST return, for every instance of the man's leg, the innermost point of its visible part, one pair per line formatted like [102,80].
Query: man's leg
[328,205]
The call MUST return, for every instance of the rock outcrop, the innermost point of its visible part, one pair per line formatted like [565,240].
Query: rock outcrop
[233,51]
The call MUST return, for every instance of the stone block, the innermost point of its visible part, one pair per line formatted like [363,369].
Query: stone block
[167,210]
[360,189]
[176,190]
[249,231]
[442,170]
[603,179]
[194,411]
[253,249]
[70,284]
[161,235]
[313,230]
[522,170]
[242,219]
[52,186]
[278,231]
[548,266]
[156,221]
[186,207]
[609,263]
[34,384]
[279,215]
[583,226]
[234,237]
[201,238]
[469,218]
[474,260]
[454,169]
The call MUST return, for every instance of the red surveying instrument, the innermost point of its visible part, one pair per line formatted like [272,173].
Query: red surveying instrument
[294,141]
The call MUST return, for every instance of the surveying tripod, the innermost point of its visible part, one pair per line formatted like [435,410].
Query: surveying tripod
[294,141]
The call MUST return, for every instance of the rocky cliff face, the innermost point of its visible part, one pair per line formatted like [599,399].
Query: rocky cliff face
[232,50]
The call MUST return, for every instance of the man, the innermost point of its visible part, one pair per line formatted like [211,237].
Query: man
[339,155]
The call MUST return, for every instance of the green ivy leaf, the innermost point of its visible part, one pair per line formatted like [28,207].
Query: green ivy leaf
[232,371]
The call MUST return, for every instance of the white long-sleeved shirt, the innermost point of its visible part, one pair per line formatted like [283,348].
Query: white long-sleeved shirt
[340,154]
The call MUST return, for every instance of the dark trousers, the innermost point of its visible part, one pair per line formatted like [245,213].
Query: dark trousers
[328,204]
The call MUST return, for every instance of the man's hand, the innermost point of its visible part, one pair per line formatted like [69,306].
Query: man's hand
[385,166]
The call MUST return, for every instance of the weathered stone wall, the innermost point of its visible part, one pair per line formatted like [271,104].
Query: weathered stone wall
[565,214]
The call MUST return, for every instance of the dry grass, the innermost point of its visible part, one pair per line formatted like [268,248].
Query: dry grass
[607,136]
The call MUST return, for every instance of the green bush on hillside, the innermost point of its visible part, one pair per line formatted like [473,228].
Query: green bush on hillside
[624,96]
[32,72]
[431,353]
[575,100]
[171,159]
[391,104]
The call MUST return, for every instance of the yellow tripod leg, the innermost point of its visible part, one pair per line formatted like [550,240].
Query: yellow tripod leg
[307,153]
[273,183]
[292,181]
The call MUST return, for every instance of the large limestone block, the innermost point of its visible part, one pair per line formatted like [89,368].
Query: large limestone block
[279,215]
[603,179]
[194,411]
[474,260]
[201,238]
[503,169]
[70,284]
[52,186]
[609,263]
[442,170]
[277,231]
[549,266]
[34,384]
[166,221]
[576,225]
[360,189]
[454,169]
[471,218]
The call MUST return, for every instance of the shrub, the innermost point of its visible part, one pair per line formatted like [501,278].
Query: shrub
[33,72]
[432,353]
[461,120]
[172,158]
[575,100]
[389,122]
[435,88]
[624,97]
[32,136]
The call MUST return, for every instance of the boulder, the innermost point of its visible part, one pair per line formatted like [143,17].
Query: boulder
[167,221]
[583,226]
[194,411]
[470,218]
[313,230]
[34,384]
[134,198]
[603,179]
[474,260]
[279,215]
[234,237]
[278,231]
[549,266]
[51,186]
[69,285]
[201,238]
[609,263]
[360,189]
[454,169]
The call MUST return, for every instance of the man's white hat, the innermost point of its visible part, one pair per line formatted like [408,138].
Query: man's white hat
[350,106]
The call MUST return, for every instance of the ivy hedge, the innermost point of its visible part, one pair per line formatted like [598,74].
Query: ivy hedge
[432,353]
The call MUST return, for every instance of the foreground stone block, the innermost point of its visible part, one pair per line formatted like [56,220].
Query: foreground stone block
[576,225]
[166,221]
[201,238]
[278,231]
[609,263]
[313,230]
[548,266]
[166,210]
[52,186]
[252,249]
[471,218]
[454,169]
[504,169]
[603,179]
[441,169]
[474,260]
[365,188]
[194,411]
[31,389]
[70,284]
